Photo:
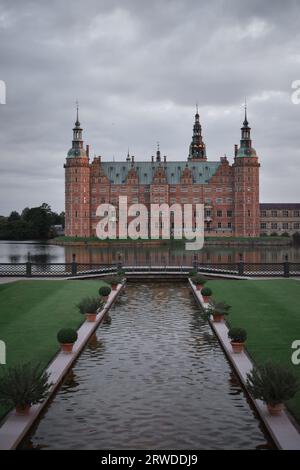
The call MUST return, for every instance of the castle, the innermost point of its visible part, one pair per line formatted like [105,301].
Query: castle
[229,192]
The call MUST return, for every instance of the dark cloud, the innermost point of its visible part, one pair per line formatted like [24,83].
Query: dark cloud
[138,69]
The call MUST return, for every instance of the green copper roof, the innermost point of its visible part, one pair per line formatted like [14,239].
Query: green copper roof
[76,153]
[246,152]
[201,171]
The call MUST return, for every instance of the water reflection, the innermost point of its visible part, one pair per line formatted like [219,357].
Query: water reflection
[13,252]
[155,378]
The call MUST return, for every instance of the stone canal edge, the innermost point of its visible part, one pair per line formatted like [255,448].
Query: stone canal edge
[281,428]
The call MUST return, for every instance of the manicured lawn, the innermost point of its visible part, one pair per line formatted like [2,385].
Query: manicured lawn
[32,312]
[270,312]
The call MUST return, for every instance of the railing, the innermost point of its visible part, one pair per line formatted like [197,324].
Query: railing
[55,269]
[242,269]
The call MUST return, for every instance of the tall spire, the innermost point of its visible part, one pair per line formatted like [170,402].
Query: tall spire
[158,158]
[77,123]
[197,150]
[245,123]
[77,149]
[246,149]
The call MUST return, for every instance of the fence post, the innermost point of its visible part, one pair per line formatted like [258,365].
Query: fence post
[119,266]
[74,265]
[28,269]
[28,265]
[241,265]
[286,267]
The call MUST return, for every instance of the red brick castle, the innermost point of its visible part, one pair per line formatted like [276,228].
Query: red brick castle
[230,192]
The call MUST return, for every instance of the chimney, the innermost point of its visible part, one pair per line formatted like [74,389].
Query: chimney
[152,159]
[132,159]
[88,150]
[165,158]
[235,150]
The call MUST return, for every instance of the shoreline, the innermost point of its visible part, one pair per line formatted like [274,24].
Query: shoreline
[176,243]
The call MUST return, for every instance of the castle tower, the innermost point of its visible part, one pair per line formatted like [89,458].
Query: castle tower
[197,150]
[77,186]
[246,186]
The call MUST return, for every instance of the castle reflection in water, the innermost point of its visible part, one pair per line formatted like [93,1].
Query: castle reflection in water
[176,256]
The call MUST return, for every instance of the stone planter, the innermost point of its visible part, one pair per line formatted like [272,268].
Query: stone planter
[206,298]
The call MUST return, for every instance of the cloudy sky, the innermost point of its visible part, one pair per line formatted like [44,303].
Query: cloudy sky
[137,68]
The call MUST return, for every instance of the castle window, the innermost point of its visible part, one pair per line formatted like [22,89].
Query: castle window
[274,225]
[229,213]
[263,225]
[285,213]
[274,214]
[229,225]
[219,213]
[296,225]
[219,225]
[219,200]
[296,213]
[285,225]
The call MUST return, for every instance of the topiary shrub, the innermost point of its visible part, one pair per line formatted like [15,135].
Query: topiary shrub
[272,383]
[89,305]
[115,280]
[206,292]
[67,336]
[24,385]
[237,335]
[104,291]
[197,279]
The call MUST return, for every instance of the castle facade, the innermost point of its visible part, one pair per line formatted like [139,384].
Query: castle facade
[229,192]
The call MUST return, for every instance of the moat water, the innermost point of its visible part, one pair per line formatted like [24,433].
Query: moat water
[153,377]
[17,252]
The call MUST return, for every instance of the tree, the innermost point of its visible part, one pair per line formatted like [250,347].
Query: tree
[14,215]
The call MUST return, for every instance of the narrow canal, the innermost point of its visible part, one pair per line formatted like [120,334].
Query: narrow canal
[153,377]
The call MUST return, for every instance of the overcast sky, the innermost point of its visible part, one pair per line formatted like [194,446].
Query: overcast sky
[137,68]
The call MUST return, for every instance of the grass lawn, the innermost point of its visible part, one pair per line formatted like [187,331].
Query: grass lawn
[32,312]
[270,312]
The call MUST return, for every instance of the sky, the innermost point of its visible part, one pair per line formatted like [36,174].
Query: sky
[138,68]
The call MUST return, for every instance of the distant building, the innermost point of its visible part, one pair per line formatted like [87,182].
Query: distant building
[59,229]
[279,218]
[230,192]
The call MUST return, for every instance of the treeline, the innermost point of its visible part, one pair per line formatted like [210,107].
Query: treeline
[35,223]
